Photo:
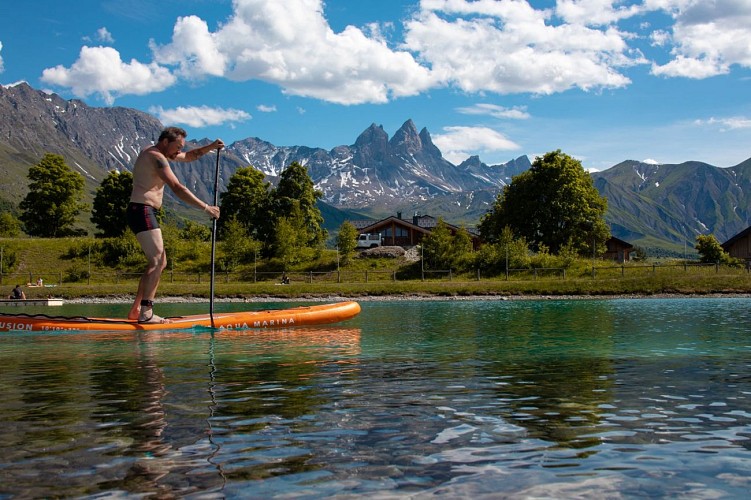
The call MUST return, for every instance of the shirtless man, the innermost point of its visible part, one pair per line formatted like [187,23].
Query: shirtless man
[150,173]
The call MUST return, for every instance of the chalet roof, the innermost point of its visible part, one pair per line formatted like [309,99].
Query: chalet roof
[626,244]
[735,238]
[422,223]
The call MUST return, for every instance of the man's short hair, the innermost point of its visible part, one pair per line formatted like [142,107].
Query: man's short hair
[172,134]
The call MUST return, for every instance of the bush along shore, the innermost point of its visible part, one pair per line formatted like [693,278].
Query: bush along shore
[71,270]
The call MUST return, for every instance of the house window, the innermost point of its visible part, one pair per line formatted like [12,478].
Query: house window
[402,232]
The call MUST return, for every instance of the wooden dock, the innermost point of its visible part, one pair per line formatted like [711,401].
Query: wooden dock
[30,302]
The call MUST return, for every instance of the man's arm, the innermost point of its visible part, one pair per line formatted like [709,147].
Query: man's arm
[196,153]
[168,176]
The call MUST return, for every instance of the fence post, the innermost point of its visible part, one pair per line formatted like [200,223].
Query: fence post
[623,270]
[366,276]
[450,275]
[717,267]
[654,268]
[311,277]
[394,273]
[60,279]
[478,274]
[338,276]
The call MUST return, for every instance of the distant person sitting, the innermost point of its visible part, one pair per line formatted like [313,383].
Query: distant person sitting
[40,281]
[285,279]
[17,294]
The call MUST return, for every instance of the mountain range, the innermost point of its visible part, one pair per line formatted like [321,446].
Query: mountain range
[654,206]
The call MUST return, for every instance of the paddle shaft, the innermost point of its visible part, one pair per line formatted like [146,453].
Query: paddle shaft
[213,240]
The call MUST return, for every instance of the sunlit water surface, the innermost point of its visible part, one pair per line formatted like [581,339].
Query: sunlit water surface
[581,398]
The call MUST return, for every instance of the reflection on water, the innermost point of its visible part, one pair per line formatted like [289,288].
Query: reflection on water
[422,398]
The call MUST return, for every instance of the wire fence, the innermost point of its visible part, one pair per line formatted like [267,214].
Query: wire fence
[51,278]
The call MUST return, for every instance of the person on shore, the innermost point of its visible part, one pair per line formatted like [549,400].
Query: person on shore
[17,293]
[150,174]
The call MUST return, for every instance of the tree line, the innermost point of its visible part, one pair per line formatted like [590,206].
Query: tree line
[546,217]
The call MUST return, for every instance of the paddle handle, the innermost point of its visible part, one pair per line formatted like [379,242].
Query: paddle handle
[213,240]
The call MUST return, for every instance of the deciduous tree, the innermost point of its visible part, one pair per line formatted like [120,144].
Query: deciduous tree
[346,240]
[444,249]
[54,198]
[554,204]
[711,251]
[111,202]
[296,194]
[248,200]
[10,227]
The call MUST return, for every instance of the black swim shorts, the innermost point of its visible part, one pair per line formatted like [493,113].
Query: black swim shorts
[141,217]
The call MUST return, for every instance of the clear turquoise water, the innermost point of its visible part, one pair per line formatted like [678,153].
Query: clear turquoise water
[471,399]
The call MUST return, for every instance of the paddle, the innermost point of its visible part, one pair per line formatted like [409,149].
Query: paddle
[213,239]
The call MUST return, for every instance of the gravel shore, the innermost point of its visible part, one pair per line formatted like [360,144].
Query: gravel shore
[414,297]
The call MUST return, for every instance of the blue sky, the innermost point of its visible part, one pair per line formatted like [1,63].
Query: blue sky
[604,81]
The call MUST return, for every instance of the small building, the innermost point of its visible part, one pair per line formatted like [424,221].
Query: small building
[405,233]
[618,250]
[739,246]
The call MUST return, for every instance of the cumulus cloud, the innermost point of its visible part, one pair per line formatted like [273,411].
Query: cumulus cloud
[193,49]
[510,47]
[100,70]
[707,38]
[474,46]
[291,44]
[458,143]
[263,108]
[594,12]
[515,113]
[199,116]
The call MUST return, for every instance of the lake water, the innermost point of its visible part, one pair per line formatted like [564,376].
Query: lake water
[418,399]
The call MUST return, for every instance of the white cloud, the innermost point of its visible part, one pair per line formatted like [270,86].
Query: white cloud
[510,47]
[263,108]
[729,123]
[291,44]
[458,143]
[103,35]
[594,12]
[708,37]
[475,46]
[99,70]
[199,116]
[515,113]
[194,49]
[1,58]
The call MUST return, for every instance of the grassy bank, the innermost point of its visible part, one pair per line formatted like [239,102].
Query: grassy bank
[655,285]
[76,277]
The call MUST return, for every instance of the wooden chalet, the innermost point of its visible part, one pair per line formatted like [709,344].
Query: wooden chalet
[739,246]
[405,233]
[618,250]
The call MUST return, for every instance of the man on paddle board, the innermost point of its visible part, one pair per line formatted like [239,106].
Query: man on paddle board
[150,174]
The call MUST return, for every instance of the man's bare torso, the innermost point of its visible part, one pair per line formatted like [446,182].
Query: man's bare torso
[148,186]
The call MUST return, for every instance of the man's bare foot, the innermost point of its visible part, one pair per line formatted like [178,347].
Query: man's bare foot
[134,314]
[150,318]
